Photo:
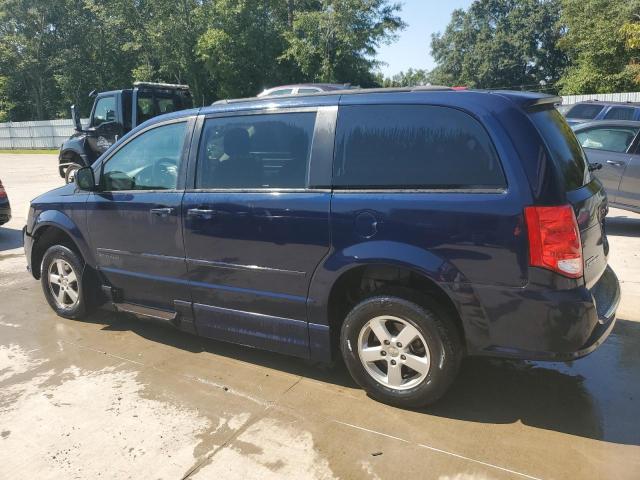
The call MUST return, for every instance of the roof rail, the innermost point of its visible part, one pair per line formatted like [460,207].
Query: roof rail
[350,91]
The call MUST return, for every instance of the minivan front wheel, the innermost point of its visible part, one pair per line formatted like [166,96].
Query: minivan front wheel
[401,351]
[61,276]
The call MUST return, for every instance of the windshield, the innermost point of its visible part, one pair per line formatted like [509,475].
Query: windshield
[563,147]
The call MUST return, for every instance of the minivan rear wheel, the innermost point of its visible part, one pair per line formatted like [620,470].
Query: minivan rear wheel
[401,351]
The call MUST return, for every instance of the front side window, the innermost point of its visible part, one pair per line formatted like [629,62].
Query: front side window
[148,162]
[620,113]
[613,139]
[255,151]
[413,146]
[105,111]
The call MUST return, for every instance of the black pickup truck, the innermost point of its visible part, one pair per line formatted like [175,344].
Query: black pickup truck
[114,113]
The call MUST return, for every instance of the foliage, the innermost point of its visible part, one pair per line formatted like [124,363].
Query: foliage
[52,53]
[410,78]
[604,55]
[501,44]
[337,42]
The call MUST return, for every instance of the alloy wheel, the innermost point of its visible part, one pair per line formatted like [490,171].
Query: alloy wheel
[63,284]
[394,352]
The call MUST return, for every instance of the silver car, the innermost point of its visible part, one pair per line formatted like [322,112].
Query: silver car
[614,144]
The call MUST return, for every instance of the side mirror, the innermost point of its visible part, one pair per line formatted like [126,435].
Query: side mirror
[85,179]
[75,116]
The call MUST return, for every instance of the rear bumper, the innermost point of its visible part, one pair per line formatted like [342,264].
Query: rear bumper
[553,325]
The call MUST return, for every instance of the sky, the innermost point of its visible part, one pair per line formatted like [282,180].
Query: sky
[412,49]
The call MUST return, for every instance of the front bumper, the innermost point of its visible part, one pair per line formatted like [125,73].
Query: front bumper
[28,245]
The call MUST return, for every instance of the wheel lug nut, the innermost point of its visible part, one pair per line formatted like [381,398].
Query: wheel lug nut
[383,353]
[393,362]
[403,357]
[386,342]
[399,345]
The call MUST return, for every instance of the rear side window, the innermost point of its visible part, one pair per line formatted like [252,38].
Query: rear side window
[585,111]
[620,113]
[563,147]
[413,146]
[256,151]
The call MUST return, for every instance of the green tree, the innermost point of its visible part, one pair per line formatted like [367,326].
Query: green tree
[241,46]
[410,78]
[603,55]
[501,44]
[337,41]
[29,39]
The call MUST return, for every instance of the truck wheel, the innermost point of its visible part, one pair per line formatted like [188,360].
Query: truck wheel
[400,351]
[61,276]
[70,172]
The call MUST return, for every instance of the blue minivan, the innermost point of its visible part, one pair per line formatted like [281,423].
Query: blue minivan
[403,229]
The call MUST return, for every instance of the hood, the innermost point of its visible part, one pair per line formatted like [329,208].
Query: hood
[51,195]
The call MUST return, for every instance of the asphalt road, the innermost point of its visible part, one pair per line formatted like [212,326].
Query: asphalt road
[116,397]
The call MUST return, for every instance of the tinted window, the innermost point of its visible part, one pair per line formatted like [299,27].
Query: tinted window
[105,111]
[148,162]
[614,139]
[411,146]
[308,90]
[584,110]
[145,107]
[620,113]
[563,147]
[256,151]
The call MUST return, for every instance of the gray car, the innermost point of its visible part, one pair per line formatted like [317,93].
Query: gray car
[614,144]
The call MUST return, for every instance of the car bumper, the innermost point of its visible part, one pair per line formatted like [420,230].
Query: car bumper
[28,245]
[5,213]
[549,324]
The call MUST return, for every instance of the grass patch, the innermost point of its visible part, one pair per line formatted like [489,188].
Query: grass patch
[28,151]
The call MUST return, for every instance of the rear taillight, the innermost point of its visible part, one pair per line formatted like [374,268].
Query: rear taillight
[554,240]
[3,193]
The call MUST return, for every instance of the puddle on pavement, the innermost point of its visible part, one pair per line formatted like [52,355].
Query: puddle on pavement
[71,422]
[268,449]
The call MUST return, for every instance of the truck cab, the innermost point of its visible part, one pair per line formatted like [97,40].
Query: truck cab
[115,113]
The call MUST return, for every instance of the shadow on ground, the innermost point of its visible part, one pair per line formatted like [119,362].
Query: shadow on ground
[10,238]
[597,397]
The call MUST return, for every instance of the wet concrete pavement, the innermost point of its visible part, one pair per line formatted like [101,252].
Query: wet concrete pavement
[116,397]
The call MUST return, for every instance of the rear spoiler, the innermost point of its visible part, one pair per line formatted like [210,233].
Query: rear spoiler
[529,100]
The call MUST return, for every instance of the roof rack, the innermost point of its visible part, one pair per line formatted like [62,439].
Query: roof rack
[161,85]
[351,91]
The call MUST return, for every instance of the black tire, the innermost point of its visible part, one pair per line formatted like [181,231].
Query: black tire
[81,286]
[70,172]
[438,331]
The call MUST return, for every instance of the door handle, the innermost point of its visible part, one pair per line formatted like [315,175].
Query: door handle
[615,163]
[162,211]
[204,213]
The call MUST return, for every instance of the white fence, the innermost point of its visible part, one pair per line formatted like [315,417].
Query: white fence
[603,97]
[37,134]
